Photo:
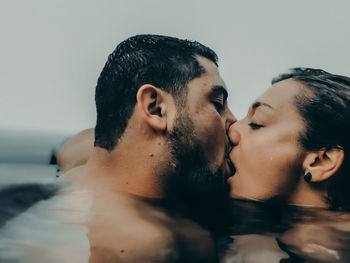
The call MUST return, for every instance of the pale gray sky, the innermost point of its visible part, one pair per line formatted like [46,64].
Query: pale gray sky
[52,51]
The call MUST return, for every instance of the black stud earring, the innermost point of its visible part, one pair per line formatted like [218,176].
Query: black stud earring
[307,177]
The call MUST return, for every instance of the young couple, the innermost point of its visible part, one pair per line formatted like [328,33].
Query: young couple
[164,132]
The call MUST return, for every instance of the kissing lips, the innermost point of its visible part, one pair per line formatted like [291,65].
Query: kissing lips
[232,169]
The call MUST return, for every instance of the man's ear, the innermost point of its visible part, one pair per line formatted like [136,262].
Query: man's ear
[152,106]
[323,164]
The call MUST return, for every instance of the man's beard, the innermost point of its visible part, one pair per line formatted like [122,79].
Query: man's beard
[192,180]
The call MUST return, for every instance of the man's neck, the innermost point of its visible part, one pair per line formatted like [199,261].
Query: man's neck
[138,168]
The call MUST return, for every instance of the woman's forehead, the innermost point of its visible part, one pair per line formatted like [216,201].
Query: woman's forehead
[281,93]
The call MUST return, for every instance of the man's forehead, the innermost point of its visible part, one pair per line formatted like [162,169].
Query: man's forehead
[210,80]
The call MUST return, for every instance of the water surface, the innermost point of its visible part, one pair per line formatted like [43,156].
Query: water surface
[274,232]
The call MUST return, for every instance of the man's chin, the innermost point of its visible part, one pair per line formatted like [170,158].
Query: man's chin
[193,179]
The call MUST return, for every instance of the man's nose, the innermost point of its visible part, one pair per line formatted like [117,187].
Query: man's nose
[233,134]
[230,119]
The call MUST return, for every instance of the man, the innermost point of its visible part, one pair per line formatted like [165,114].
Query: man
[160,137]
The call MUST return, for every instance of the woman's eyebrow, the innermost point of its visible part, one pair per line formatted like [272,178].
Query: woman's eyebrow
[259,103]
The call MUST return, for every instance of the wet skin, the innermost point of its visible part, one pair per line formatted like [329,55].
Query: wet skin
[269,158]
[265,147]
[124,225]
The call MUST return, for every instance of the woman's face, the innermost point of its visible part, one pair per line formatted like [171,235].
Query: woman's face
[266,152]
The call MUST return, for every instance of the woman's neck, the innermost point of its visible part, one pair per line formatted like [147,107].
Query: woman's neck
[309,195]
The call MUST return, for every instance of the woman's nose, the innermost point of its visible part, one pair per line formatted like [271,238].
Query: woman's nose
[233,134]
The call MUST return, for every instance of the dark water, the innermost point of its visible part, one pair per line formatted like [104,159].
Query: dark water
[24,185]
[261,232]
[36,216]
[40,220]
[38,223]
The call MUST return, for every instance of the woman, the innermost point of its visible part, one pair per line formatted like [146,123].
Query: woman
[292,147]
[293,142]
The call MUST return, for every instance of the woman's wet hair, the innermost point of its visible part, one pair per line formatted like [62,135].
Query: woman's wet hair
[324,104]
[166,62]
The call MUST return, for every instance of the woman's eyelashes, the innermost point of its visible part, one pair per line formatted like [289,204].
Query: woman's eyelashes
[255,126]
[252,122]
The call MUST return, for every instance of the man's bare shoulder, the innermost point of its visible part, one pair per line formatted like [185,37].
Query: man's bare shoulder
[77,150]
[145,243]
[131,232]
[138,232]
[136,243]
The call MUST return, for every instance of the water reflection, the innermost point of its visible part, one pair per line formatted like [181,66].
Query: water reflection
[51,230]
[273,232]
[43,220]
[46,220]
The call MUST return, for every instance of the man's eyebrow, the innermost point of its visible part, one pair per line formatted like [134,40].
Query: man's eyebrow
[259,103]
[218,89]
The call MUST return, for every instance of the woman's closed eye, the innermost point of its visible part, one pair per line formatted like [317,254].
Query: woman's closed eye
[255,126]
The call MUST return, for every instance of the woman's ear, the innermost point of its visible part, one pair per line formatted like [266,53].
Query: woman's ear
[323,164]
[152,107]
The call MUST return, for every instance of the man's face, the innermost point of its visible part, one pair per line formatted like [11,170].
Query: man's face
[199,141]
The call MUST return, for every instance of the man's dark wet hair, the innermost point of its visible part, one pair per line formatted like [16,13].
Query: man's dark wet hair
[324,105]
[166,62]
